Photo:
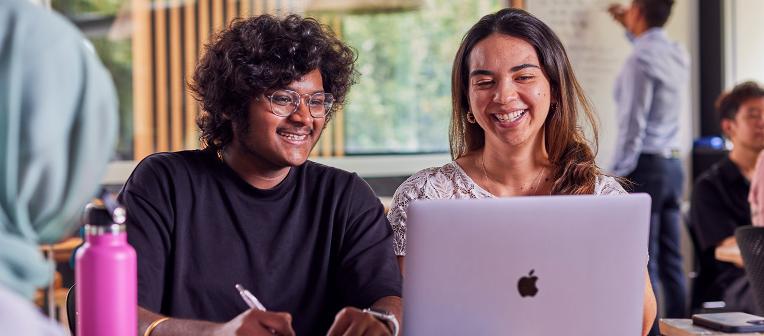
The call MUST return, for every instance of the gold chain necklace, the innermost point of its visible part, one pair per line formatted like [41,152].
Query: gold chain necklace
[489,178]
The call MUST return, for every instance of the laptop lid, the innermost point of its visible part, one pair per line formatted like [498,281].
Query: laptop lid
[526,266]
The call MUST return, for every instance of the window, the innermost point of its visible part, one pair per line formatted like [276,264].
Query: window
[400,105]
[112,42]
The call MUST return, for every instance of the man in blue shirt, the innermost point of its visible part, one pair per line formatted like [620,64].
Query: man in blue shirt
[649,94]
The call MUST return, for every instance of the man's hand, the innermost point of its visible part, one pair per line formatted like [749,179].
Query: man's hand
[729,251]
[352,321]
[251,322]
[255,322]
[618,12]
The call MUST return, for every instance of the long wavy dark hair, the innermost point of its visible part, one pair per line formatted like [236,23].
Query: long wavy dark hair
[260,53]
[575,170]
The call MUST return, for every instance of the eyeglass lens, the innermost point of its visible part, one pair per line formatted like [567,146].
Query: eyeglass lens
[286,102]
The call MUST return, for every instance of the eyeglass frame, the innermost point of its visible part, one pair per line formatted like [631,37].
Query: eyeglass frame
[300,101]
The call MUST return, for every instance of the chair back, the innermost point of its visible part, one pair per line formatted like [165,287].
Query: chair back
[71,309]
[751,242]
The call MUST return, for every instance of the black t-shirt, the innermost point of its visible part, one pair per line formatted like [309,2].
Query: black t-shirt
[719,206]
[316,243]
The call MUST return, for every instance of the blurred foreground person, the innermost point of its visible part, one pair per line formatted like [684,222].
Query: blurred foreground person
[58,124]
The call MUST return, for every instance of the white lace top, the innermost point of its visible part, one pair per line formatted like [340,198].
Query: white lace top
[451,182]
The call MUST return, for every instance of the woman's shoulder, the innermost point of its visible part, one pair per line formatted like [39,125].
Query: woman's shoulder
[449,169]
[434,179]
[606,185]
[445,182]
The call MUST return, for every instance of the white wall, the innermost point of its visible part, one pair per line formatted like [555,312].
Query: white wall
[744,42]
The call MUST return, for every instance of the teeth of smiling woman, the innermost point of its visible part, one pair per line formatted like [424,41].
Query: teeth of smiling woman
[512,116]
[294,137]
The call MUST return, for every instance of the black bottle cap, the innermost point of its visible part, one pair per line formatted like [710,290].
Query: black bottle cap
[96,214]
[104,211]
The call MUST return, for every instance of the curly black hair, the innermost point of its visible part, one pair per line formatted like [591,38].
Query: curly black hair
[260,53]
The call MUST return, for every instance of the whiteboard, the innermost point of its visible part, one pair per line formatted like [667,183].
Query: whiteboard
[597,48]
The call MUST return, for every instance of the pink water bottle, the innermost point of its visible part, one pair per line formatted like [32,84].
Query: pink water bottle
[105,275]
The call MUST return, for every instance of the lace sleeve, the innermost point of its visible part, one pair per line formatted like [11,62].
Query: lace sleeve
[608,186]
[412,189]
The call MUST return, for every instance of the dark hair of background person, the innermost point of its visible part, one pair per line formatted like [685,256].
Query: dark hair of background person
[729,102]
[655,12]
[259,54]
[575,170]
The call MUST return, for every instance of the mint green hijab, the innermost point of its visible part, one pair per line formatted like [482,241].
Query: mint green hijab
[58,123]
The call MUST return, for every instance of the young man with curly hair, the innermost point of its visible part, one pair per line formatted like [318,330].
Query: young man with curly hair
[310,241]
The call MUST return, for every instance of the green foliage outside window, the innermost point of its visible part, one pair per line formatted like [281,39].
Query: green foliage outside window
[117,57]
[115,54]
[402,103]
[88,7]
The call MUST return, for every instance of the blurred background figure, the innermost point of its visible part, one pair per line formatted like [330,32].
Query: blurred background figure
[649,94]
[720,200]
[58,125]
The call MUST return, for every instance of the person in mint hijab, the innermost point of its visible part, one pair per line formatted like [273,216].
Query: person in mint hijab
[58,124]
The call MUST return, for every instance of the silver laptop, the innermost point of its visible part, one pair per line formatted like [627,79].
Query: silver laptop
[557,265]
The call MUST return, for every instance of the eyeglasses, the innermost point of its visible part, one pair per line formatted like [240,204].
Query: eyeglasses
[286,102]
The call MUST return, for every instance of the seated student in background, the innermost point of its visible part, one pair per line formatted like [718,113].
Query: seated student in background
[58,125]
[514,126]
[310,241]
[719,202]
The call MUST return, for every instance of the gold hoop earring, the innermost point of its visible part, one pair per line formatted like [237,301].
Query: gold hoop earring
[471,118]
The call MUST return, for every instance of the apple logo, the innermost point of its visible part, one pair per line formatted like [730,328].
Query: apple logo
[527,285]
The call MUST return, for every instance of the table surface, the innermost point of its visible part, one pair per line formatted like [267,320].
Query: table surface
[62,250]
[684,327]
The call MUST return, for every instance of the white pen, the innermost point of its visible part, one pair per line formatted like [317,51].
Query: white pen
[250,299]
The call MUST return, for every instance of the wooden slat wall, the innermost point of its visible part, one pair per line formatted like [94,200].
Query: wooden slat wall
[176,78]
[143,133]
[168,39]
[160,77]
[191,109]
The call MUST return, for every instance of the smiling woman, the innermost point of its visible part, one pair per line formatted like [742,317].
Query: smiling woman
[509,94]
[515,128]
[538,78]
